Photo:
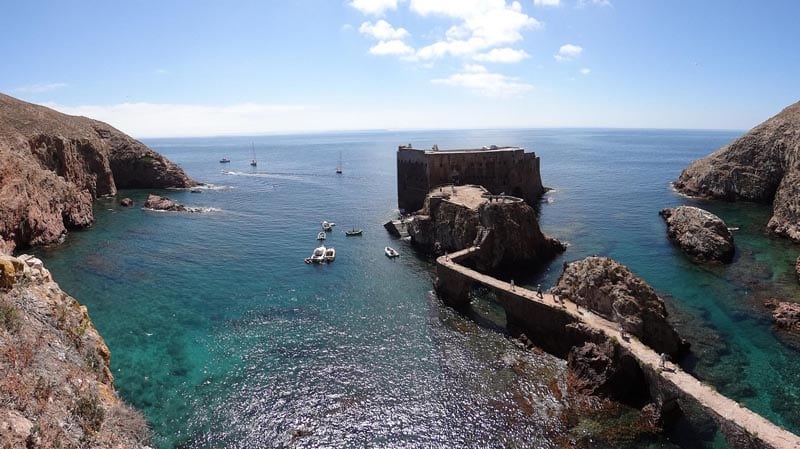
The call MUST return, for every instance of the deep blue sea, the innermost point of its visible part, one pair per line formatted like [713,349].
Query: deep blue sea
[223,337]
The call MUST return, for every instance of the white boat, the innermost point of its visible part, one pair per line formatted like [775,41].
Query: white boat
[330,254]
[321,235]
[327,227]
[318,256]
[391,252]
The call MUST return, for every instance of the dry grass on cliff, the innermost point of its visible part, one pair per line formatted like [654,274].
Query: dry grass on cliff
[55,386]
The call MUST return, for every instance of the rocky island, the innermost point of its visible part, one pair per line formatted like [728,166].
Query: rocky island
[699,233]
[760,166]
[53,166]
[505,228]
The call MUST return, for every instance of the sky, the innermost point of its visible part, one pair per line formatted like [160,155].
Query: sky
[201,68]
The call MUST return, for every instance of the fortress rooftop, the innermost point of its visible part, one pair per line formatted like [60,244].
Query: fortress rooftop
[486,149]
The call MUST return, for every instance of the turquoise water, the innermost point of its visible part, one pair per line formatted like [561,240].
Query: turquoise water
[225,338]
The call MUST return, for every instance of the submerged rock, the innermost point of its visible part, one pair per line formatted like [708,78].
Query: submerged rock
[760,166]
[797,268]
[53,166]
[609,289]
[785,315]
[126,202]
[699,233]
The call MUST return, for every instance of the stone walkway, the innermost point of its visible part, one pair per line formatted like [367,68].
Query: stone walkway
[753,423]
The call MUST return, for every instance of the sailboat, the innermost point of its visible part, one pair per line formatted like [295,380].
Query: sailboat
[253,162]
[339,165]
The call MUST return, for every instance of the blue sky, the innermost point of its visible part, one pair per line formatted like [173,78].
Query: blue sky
[194,68]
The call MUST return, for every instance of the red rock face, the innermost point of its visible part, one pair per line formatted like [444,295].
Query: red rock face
[53,166]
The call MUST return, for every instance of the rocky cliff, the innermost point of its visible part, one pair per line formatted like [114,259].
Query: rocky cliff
[52,167]
[508,232]
[761,166]
[609,289]
[56,389]
[699,233]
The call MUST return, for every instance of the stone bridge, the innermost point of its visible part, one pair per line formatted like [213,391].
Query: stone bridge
[551,326]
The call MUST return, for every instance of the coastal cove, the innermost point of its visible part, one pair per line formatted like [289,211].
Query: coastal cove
[222,336]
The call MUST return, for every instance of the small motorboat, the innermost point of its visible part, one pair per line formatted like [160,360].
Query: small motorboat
[321,235]
[391,252]
[318,256]
[353,232]
[327,227]
[224,160]
[196,191]
[330,255]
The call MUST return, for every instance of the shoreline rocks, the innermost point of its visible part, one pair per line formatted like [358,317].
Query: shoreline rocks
[126,202]
[699,233]
[611,290]
[760,166]
[53,166]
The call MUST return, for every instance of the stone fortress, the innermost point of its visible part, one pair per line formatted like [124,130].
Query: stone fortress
[508,170]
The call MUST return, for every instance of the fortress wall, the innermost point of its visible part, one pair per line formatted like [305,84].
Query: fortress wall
[412,179]
[512,171]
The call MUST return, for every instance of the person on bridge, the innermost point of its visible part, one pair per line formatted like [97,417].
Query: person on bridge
[539,291]
[662,362]
[512,285]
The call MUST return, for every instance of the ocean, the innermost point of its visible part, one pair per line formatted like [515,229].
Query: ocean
[223,337]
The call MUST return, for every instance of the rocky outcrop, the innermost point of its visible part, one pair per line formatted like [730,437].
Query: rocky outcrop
[507,232]
[606,369]
[797,269]
[785,315]
[56,388]
[761,166]
[126,202]
[699,233]
[609,289]
[162,203]
[53,166]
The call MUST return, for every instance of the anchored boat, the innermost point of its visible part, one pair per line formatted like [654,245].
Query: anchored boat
[330,254]
[321,235]
[353,232]
[318,256]
[391,252]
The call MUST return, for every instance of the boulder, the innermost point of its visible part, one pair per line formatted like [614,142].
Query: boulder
[785,315]
[760,166]
[156,202]
[609,289]
[126,202]
[53,166]
[699,233]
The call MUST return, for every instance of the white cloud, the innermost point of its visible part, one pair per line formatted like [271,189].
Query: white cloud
[477,78]
[546,2]
[383,31]
[393,48]
[374,7]
[505,55]
[583,3]
[483,24]
[568,52]
[175,120]
[585,71]
[39,88]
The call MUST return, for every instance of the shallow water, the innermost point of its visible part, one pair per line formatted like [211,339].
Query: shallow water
[224,337]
